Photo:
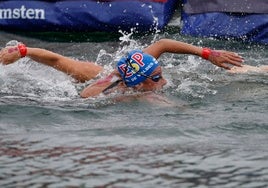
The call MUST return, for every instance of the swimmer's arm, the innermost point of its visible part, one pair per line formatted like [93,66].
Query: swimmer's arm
[81,71]
[218,57]
[172,46]
[99,86]
[93,90]
[248,68]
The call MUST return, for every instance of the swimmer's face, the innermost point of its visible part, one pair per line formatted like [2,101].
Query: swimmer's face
[150,84]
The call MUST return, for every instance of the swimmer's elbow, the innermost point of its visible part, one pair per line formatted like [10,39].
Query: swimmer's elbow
[83,95]
[90,91]
[157,48]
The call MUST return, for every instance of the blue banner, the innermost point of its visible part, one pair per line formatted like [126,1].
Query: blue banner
[203,20]
[88,15]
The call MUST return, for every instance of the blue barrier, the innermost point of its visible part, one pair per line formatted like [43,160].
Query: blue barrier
[227,19]
[87,15]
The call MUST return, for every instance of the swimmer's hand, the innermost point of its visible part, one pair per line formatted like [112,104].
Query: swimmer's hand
[224,59]
[248,68]
[11,54]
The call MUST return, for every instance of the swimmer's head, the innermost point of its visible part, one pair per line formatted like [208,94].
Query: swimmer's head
[136,67]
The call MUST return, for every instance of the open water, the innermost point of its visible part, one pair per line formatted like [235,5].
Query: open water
[214,135]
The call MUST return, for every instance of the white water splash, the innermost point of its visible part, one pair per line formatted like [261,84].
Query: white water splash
[27,78]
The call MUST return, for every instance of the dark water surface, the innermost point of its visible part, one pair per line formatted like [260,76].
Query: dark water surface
[215,134]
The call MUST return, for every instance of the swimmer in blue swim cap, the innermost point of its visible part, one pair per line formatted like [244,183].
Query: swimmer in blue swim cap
[139,70]
[136,67]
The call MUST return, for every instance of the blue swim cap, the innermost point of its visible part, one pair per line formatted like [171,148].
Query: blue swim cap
[135,65]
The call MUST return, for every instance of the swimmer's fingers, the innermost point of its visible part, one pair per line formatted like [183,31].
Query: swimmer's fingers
[2,56]
[9,55]
[235,59]
[223,65]
[224,59]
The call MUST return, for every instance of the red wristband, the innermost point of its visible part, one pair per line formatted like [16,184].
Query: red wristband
[22,49]
[206,53]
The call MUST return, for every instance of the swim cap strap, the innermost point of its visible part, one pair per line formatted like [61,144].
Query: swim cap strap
[206,53]
[22,49]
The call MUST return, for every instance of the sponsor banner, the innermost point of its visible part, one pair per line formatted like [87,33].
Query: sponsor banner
[88,15]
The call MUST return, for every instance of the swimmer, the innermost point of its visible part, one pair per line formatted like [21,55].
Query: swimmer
[139,70]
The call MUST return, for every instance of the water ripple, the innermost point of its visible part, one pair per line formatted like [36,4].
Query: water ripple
[27,165]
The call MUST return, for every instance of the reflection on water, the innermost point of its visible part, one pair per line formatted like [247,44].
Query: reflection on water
[27,164]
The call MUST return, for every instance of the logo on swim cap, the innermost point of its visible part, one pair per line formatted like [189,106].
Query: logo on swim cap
[133,67]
